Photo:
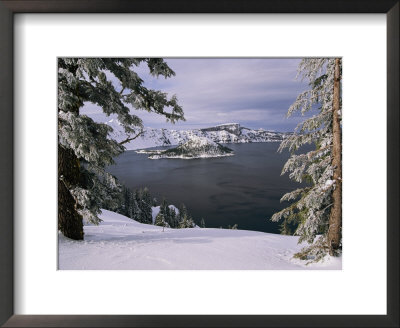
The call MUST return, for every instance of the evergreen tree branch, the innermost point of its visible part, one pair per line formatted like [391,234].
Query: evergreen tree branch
[313,208]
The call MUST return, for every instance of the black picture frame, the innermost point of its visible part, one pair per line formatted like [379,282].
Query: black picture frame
[10,7]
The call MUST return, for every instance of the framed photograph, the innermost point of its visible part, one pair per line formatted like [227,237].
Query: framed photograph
[208,163]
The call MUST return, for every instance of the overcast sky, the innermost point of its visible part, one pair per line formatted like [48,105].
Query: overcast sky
[253,92]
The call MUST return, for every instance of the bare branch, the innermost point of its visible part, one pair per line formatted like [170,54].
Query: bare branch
[132,138]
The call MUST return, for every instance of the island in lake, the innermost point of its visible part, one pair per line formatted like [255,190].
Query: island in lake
[195,147]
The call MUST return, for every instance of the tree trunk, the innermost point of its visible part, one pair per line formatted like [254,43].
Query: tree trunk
[69,220]
[335,219]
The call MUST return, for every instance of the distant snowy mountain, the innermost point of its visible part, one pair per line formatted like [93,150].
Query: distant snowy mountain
[225,133]
[195,147]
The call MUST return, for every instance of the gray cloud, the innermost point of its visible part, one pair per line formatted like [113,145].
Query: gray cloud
[253,91]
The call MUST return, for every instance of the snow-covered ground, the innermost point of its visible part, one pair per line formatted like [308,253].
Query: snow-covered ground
[121,243]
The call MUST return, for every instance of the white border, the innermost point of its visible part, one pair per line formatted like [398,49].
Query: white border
[360,288]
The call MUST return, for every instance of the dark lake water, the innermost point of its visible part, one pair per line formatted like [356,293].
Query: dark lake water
[243,189]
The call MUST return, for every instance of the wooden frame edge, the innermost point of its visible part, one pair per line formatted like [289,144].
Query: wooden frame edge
[8,8]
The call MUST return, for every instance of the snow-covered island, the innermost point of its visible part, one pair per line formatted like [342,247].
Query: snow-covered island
[119,243]
[195,147]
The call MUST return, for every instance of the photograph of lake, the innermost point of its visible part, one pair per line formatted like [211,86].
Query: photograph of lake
[199,163]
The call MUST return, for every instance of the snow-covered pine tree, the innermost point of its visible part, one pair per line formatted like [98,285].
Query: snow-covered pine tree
[190,222]
[316,208]
[136,210]
[133,208]
[164,209]
[145,206]
[182,212]
[126,206]
[184,219]
[173,223]
[184,222]
[160,221]
[84,146]
[113,195]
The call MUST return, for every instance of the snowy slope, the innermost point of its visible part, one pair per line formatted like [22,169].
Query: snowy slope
[225,133]
[121,243]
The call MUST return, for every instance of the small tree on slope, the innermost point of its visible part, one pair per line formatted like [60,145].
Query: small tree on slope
[84,146]
[316,208]
[145,205]
[160,221]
